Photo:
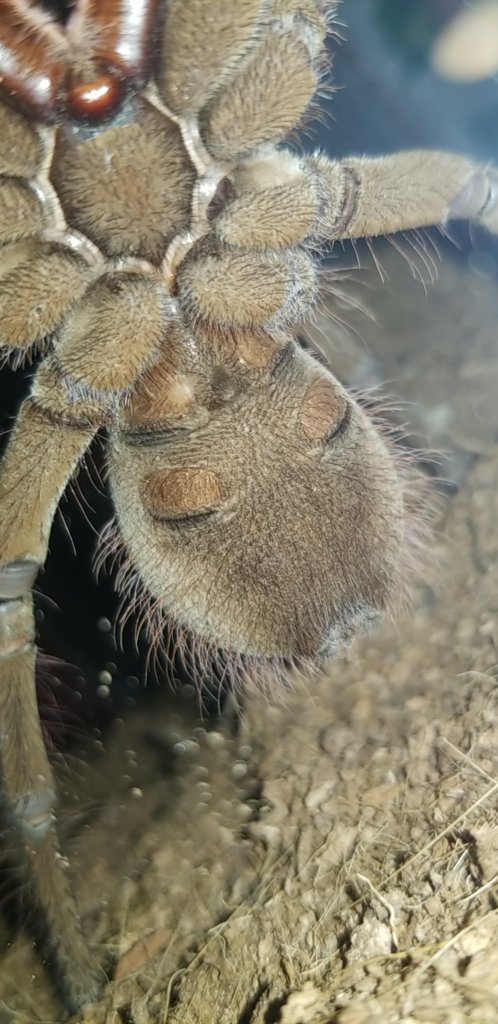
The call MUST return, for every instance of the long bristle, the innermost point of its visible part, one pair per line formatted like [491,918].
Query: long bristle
[421,500]
[173,649]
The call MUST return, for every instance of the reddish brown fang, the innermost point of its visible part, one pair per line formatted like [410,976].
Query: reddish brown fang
[33,58]
[96,99]
[122,30]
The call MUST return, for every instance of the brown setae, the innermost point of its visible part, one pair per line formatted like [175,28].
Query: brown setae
[157,246]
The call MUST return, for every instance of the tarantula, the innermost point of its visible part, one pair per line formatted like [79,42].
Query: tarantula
[158,248]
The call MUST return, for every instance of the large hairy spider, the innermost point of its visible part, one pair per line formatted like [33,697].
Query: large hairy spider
[157,246]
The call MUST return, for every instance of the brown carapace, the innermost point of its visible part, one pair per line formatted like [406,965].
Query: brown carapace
[157,247]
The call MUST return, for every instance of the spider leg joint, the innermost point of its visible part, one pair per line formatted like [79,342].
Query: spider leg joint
[16,579]
[33,814]
[479,199]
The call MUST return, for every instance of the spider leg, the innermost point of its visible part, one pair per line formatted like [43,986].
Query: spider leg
[281,200]
[364,196]
[107,341]
[39,460]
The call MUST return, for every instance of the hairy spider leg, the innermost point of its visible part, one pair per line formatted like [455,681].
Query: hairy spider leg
[382,195]
[40,459]
[49,439]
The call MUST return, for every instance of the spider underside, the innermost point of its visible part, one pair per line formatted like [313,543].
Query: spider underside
[157,245]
